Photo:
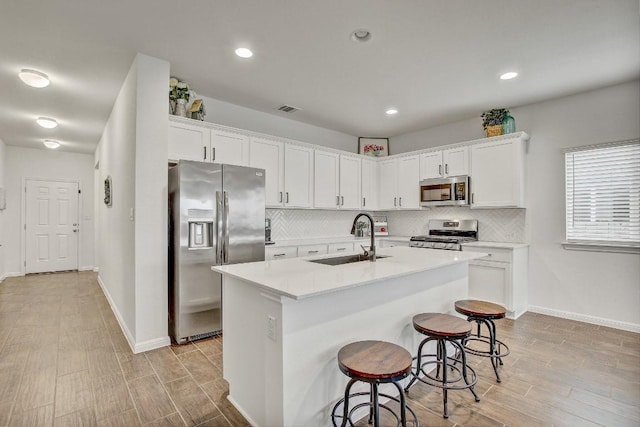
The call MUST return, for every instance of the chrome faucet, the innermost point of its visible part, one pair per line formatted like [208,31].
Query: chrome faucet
[372,248]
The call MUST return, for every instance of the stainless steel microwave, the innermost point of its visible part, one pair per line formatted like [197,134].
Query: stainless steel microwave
[445,191]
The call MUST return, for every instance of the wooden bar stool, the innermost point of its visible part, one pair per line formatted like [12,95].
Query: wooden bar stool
[484,313]
[444,329]
[373,362]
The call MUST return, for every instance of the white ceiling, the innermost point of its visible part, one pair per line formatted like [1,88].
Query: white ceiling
[435,61]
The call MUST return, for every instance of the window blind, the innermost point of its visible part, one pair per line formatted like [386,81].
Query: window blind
[603,194]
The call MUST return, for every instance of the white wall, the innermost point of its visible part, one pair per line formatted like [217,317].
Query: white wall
[227,114]
[132,238]
[592,286]
[46,164]
[2,212]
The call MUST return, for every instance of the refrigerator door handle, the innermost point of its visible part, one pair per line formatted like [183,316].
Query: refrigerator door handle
[218,228]
[225,253]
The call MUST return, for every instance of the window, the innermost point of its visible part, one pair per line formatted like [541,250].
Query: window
[603,197]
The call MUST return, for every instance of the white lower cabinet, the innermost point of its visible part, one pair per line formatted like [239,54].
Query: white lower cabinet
[391,243]
[310,250]
[500,277]
[282,252]
[337,248]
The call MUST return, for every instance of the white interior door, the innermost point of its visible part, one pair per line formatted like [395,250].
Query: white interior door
[51,220]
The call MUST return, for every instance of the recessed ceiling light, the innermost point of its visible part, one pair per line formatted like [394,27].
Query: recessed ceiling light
[47,122]
[243,52]
[34,78]
[391,111]
[50,143]
[508,76]
[361,35]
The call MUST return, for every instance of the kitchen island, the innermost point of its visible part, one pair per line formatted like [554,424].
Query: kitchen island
[284,322]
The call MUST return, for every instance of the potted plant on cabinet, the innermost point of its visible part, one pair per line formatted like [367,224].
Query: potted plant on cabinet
[492,121]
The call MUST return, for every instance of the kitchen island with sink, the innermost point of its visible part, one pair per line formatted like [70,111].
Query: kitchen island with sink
[284,322]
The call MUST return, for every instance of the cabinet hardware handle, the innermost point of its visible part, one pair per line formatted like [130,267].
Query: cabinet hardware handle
[342,200]
[364,202]
[400,200]
[337,200]
[472,197]
[287,194]
[204,149]
[312,252]
[341,249]
[280,196]
[446,168]
[394,202]
[213,154]
[439,169]
[275,255]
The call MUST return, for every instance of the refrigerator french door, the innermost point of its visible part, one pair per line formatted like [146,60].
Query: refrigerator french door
[216,216]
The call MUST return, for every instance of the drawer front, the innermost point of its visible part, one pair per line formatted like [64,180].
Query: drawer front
[280,253]
[336,248]
[310,250]
[494,254]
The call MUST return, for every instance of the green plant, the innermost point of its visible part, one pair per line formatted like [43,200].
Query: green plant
[178,89]
[493,117]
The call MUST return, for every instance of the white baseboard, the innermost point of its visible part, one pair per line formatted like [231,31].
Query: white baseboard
[242,411]
[86,268]
[135,347]
[96,269]
[6,275]
[626,326]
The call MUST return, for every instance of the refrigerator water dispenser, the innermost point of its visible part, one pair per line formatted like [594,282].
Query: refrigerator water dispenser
[200,234]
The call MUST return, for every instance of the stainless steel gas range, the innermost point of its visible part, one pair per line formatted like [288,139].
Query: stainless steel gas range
[448,234]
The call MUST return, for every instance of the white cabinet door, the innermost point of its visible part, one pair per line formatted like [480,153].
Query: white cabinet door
[369,185]
[497,174]
[269,155]
[387,197]
[456,161]
[408,182]
[489,281]
[310,250]
[431,165]
[337,248]
[272,253]
[326,187]
[349,182]
[188,142]
[298,176]
[229,147]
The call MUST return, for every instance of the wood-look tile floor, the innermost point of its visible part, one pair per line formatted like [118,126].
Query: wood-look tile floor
[64,361]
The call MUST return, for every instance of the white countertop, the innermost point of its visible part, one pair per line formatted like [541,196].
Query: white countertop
[504,245]
[338,239]
[298,278]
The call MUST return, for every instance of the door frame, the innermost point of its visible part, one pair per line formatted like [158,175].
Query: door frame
[23,217]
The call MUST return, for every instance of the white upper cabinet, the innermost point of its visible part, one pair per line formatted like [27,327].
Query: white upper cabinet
[188,142]
[444,163]
[350,177]
[409,182]
[229,147]
[369,185]
[498,174]
[298,176]
[326,188]
[336,181]
[399,181]
[269,155]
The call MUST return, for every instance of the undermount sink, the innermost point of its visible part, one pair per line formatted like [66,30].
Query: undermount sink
[339,260]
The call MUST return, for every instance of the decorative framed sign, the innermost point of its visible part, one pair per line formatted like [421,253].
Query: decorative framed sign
[377,147]
[107,191]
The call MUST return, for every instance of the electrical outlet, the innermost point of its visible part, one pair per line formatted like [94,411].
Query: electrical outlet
[271,327]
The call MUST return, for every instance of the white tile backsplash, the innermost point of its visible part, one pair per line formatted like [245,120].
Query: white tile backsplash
[495,225]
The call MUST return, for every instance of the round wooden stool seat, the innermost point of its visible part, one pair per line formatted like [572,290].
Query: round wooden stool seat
[441,325]
[477,308]
[374,360]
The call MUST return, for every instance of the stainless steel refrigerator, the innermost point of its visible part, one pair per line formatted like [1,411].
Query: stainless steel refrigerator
[216,216]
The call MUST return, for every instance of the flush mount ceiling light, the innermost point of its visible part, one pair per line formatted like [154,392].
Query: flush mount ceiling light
[508,76]
[47,122]
[361,35]
[34,78]
[243,52]
[50,143]
[391,111]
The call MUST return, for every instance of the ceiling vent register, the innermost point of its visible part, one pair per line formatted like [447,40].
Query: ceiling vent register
[288,109]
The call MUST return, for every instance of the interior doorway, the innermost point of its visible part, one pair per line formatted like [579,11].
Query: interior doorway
[51,225]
